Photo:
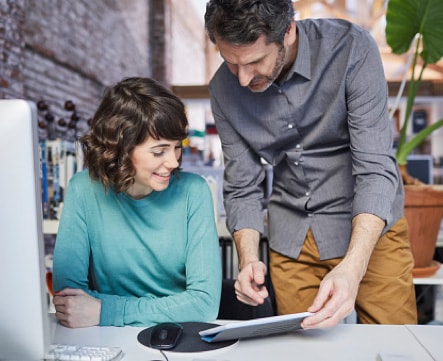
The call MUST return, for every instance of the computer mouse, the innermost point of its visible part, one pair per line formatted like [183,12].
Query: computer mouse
[165,335]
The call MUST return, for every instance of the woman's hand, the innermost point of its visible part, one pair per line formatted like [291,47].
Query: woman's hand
[75,308]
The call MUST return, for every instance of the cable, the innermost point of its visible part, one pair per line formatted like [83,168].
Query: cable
[164,355]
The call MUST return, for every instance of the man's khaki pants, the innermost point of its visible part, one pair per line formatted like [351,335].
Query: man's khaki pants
[386,294]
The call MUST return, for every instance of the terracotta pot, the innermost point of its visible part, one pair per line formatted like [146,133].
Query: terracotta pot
[423,212]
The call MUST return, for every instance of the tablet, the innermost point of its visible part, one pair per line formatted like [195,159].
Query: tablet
[254,328]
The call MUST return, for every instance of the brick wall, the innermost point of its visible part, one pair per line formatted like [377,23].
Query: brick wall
[160,27]
[194,58]
[11,48]
[189,61]
[58,50]
[55,50]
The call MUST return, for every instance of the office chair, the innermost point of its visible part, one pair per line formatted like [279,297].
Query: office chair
[233,309]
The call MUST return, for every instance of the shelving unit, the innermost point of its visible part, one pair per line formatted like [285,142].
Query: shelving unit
[50,226]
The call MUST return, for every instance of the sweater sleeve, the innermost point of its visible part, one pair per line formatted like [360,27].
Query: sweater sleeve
[72,250]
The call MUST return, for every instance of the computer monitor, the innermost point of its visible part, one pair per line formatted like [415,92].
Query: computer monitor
[24,323]
[420,166]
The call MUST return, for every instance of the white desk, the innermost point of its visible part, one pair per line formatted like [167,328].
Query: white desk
[430,337]
[344,343]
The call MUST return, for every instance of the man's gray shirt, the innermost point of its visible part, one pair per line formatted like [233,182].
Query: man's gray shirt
[327,134]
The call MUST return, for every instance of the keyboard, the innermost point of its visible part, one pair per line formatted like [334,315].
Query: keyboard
[83,353]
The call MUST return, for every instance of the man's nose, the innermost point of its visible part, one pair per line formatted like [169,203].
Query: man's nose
[245,75]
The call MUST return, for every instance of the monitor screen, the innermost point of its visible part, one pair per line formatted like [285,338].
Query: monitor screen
[24,323]
[420,166]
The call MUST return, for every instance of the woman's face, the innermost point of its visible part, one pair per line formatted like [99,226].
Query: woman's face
[153,160]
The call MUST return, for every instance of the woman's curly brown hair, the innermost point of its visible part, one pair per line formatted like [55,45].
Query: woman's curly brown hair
[130,111]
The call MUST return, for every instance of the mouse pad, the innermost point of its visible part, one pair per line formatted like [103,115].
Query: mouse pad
[190,340]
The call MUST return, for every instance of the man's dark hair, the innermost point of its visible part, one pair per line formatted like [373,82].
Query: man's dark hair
[244,21]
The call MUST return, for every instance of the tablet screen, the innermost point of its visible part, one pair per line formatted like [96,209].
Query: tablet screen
[255,328]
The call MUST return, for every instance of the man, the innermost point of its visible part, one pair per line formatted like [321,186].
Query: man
[310,98]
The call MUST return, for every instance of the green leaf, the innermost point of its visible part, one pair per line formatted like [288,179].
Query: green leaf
[406,18]
[416,141]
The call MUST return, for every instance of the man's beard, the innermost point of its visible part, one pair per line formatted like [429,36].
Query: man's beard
[279,64]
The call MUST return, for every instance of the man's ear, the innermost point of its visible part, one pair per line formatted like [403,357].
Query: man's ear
[291,34]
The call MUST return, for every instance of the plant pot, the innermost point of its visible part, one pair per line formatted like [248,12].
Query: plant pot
[424,213]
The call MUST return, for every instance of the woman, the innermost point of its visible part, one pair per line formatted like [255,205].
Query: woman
[137,242]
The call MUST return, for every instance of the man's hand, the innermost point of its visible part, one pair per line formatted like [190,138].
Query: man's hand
[338,290]
[75,308]
[250,285]
[335,298]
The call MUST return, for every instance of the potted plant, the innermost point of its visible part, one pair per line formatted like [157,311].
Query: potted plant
[416,26]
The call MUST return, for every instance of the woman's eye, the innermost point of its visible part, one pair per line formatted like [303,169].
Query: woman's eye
[158,154]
